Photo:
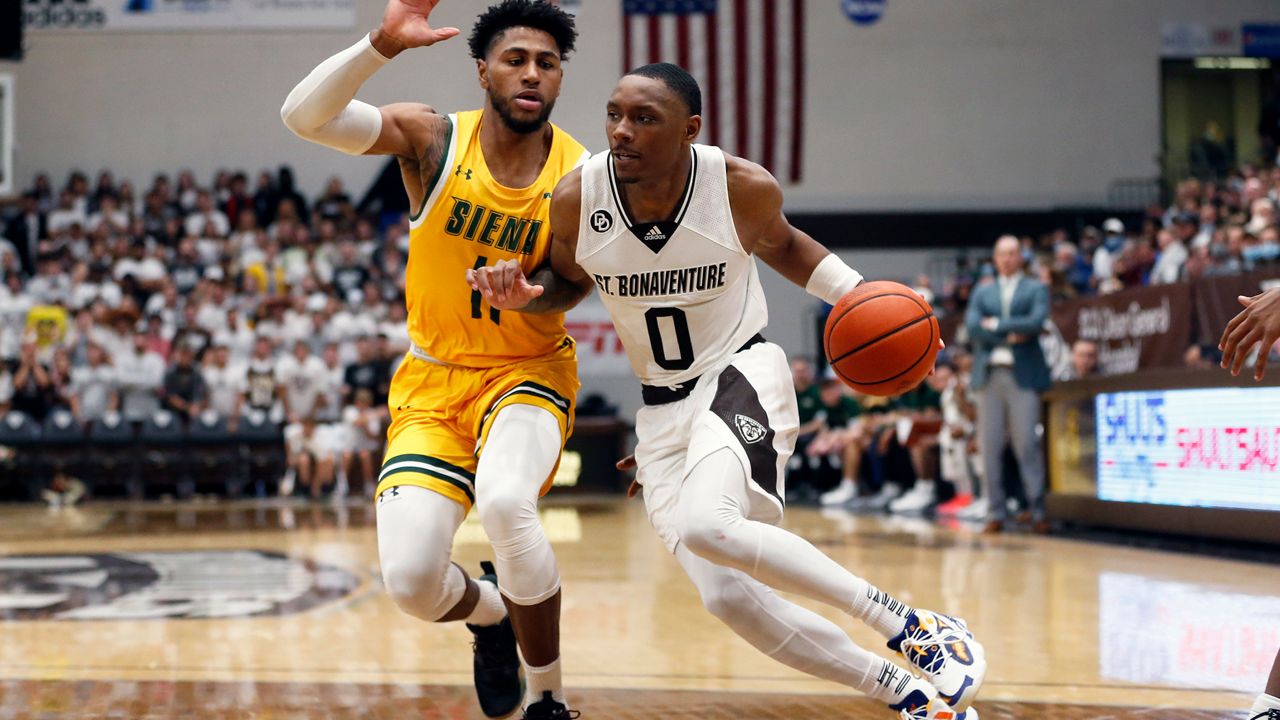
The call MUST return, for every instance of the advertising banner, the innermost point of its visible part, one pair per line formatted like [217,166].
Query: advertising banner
[168,15]
[1217,448]
[1134,329]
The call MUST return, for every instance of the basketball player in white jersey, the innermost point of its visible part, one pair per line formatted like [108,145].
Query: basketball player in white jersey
[665,230]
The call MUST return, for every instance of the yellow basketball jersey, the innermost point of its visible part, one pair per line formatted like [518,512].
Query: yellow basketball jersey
[468,220]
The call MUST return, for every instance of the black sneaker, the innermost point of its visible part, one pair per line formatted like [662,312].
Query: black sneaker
[549,708]
[496,666]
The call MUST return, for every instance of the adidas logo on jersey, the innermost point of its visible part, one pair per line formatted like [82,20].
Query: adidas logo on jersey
[751,431]
[655,235]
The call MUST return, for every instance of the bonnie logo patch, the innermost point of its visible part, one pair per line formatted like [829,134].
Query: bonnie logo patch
[601,221]
[751,431]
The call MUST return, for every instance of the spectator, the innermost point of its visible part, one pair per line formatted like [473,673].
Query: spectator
[363,423]
[225,382]
[186,268]
[368,372]
[94,387]
[6,389]
[108,216]
[300,382]
[1105,257]
[66,214]
[141,375]
[1084,359]
[838,444]
[351,274]
[1074,267]
[956,436]
[147,272]
[918,419]
[33,389]
[1169,263]
[184,392]
[1004,321]
[26,229]
[260,380]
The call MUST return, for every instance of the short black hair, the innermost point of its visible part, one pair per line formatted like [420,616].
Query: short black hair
[534,14]
[678,79]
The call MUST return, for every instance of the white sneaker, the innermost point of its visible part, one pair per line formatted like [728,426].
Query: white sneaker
[945,652]
[936,709]
[976,510]
[887,494]
[840,494]
[287,482]
[918,500]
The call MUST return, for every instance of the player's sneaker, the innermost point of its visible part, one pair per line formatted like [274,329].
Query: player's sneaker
[1269,714]
[942,648]
[839,495]
[496,665]
[955,505]
[548,708]
[918,707]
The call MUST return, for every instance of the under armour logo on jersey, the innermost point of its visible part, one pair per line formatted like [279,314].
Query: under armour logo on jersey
[751,431]
[601,221]
[459,172]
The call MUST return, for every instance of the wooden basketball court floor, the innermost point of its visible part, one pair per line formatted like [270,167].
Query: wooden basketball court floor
[262,610]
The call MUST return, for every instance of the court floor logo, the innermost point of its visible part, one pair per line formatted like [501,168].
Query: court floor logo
[166,585]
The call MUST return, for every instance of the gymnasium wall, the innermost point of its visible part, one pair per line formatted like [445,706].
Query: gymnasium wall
[943,104]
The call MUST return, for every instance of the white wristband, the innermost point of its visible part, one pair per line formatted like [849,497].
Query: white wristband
[832,279]
[322,107]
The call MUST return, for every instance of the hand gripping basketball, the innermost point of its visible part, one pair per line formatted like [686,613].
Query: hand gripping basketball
[504,285]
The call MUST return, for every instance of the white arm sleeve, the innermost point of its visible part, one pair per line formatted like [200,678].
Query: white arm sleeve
[322,107]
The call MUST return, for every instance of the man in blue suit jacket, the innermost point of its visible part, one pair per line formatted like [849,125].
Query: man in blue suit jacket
[1004,320]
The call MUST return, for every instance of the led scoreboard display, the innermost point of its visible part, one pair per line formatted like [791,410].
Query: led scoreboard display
[1217,448]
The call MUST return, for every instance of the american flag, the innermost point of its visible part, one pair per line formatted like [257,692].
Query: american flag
[748,57]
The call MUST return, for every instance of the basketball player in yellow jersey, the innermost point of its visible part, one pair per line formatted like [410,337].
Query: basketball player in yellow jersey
[481,406]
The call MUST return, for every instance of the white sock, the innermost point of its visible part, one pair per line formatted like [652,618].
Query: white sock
[543,679]
[1264,703]
[884,613]
[894,684]
[489,609]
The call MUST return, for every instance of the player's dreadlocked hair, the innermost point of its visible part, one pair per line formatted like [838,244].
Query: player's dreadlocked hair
[534,14]
[678,79]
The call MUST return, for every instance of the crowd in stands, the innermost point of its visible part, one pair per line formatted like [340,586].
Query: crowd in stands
[223,299]
[1209,228]
[920,451]
[242,297]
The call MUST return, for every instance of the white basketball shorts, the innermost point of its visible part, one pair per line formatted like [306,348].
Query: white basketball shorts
[748,405]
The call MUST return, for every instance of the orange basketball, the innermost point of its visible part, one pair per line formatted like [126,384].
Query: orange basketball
[881,338]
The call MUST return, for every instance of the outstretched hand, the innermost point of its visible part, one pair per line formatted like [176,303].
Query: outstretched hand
[504,285]
[405,21]
[1259,322]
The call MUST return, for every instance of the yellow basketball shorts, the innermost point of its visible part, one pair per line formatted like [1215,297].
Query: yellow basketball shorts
[441,415]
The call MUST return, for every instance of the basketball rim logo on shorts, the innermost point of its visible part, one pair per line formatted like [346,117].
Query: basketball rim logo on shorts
[751,431]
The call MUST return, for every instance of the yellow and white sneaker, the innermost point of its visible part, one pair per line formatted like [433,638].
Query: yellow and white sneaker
[942,648]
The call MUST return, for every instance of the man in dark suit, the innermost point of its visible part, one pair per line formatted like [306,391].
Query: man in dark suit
[25,230]
[1004,320]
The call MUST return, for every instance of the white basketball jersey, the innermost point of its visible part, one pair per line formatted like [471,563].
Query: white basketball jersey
[682,293]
